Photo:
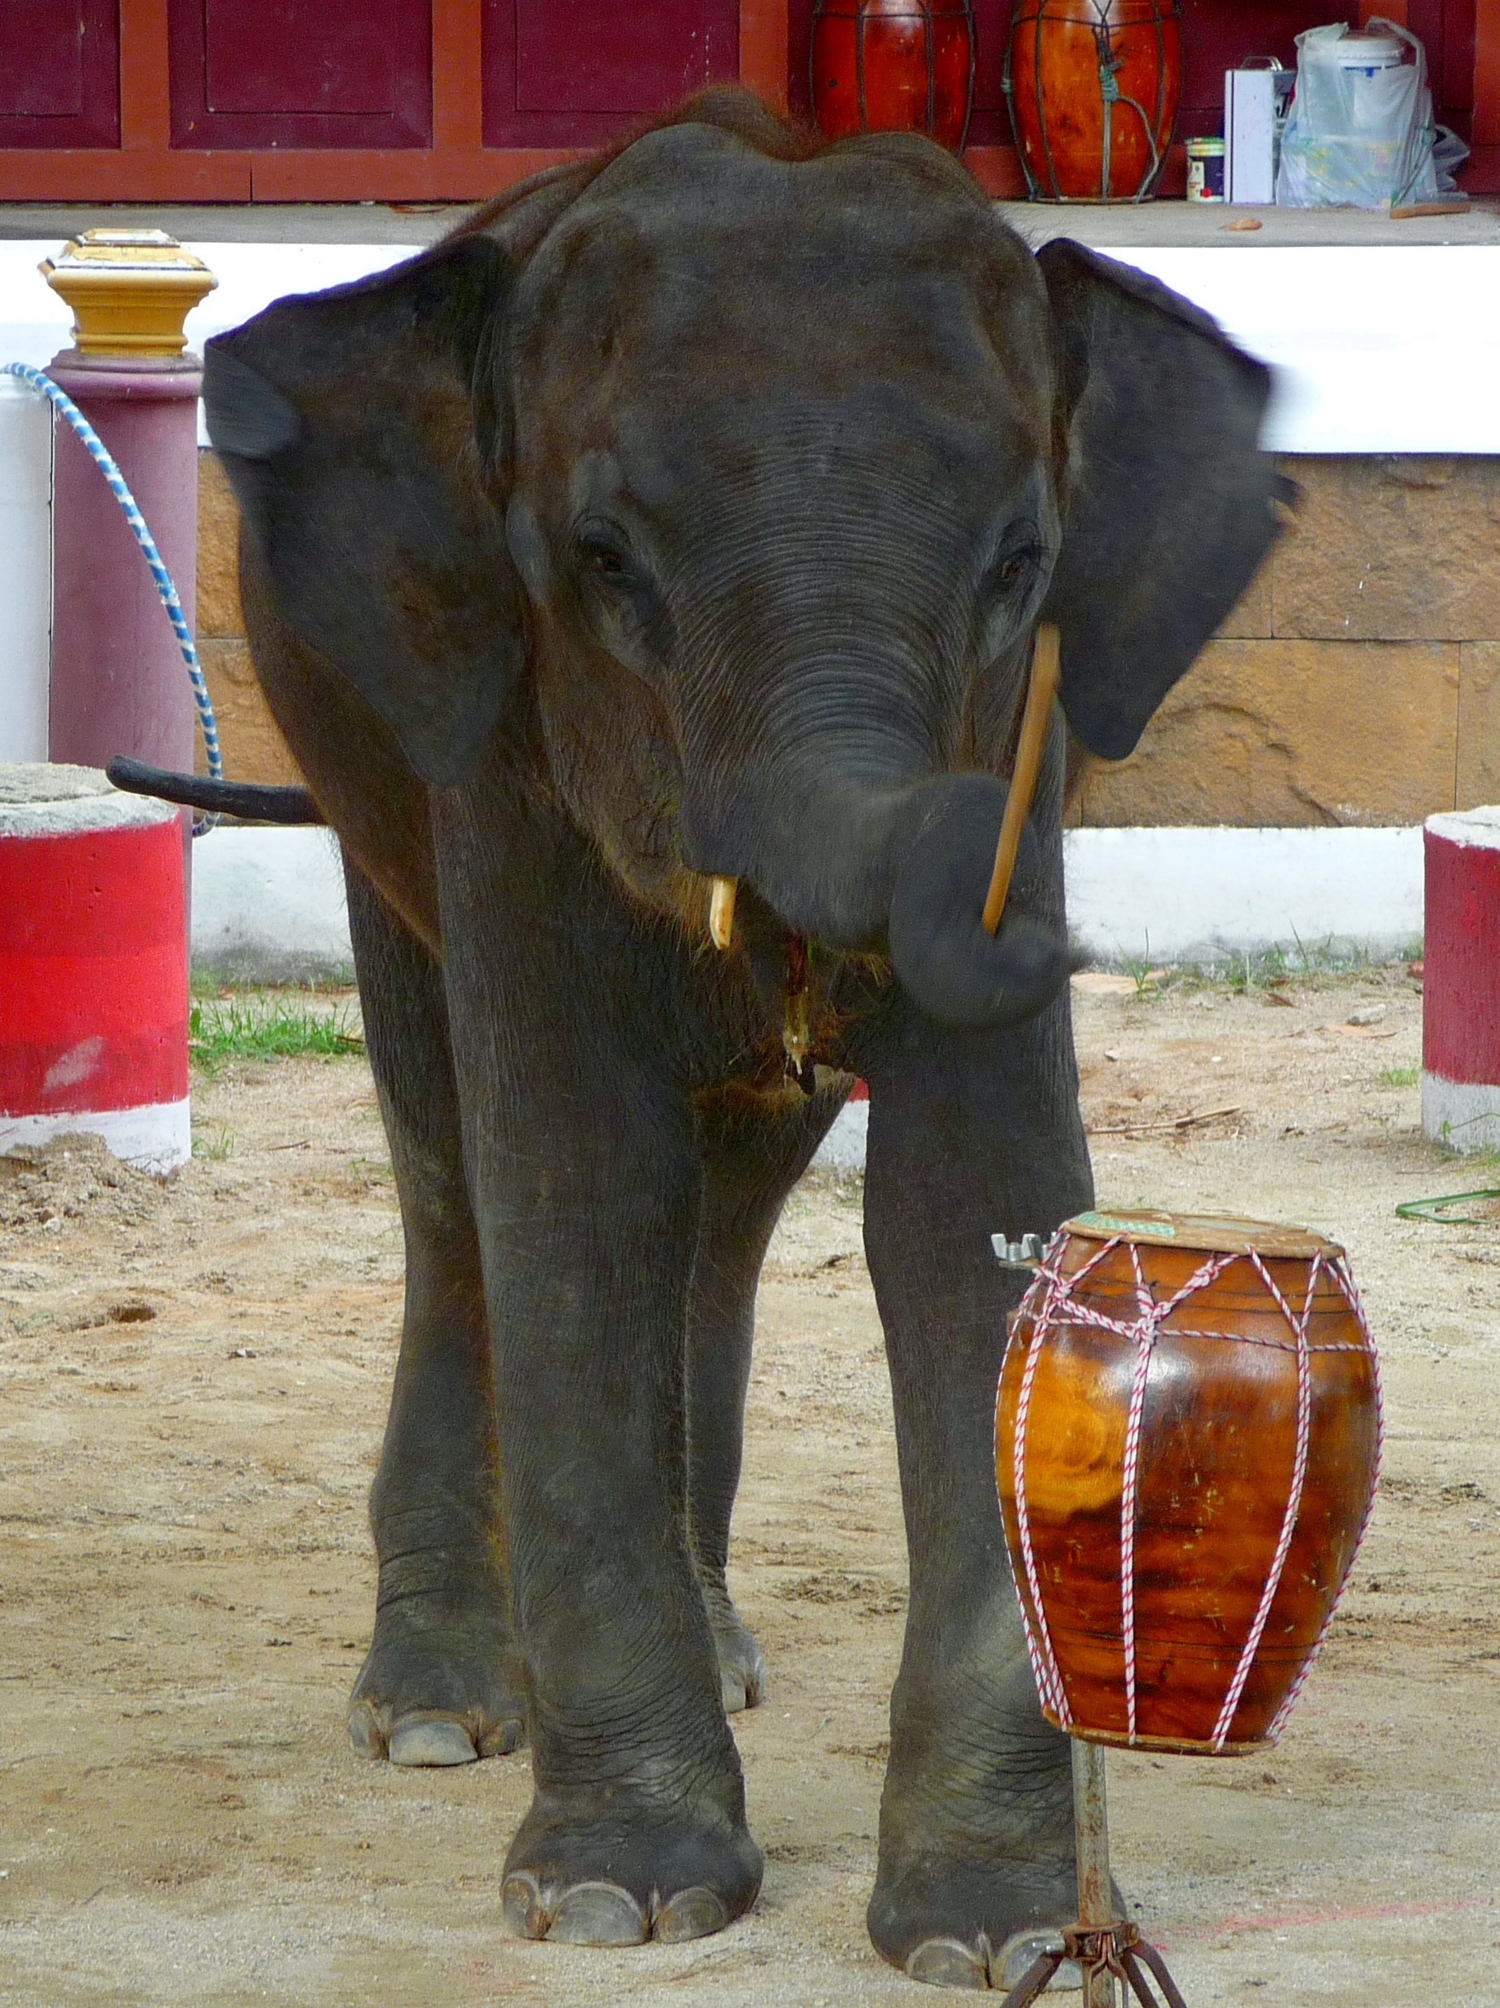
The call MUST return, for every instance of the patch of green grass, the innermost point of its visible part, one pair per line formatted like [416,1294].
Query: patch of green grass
[1309,965]
[1147,976]
[215,1148]
[1399,1077]
[268,1028]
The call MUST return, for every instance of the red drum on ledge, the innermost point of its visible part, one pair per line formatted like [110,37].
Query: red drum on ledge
[1093,88]
[893,66]
[1187,1441]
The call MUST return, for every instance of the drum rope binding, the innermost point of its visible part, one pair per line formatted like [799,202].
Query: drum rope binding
[1053,1292]
[1350,1289]
[105,461]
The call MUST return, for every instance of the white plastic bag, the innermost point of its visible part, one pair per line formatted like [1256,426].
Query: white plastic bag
[1360,136]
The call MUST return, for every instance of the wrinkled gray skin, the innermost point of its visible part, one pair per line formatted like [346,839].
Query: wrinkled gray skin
[693,513]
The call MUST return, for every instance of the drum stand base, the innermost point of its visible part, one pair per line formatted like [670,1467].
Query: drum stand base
[1108,1948]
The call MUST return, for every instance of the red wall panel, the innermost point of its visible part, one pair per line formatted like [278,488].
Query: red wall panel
[59,73]
[580,72]
[301,73]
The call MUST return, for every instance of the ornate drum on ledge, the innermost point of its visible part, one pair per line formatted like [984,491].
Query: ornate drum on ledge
[1093,88]
[1187,1443]
[893,66]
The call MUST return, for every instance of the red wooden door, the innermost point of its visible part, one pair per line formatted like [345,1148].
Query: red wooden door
[301,73]
[580,72]
[59,73]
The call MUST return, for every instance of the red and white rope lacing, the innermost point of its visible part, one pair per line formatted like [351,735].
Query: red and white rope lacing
[1339,1271]
[1294,1496]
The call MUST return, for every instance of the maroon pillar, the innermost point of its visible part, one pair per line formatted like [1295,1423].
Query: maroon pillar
[119,684]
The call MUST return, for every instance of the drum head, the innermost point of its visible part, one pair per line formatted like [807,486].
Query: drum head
[1221,1233]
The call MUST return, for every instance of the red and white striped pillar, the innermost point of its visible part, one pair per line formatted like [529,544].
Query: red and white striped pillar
[93,966]
[1461,981]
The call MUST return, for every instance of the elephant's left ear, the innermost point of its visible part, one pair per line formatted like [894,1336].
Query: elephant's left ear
[352,433]
[1168,502]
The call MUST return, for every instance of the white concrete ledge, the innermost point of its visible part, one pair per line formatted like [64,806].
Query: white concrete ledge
[1201,895]
[268,905]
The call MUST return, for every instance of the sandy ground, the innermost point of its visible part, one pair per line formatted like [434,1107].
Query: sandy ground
[193,1380]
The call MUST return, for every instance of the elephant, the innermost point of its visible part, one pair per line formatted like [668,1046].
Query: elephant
[658,559]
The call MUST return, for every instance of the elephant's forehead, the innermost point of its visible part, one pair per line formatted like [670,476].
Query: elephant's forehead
[863,453]
[740,269]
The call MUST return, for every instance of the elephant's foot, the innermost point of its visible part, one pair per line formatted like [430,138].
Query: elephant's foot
[742,1664]
[977,1866]
[440,1683]
[609,1881]
[972,1922]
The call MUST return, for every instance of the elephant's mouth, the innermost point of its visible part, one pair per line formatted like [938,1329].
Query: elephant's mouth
[950,852]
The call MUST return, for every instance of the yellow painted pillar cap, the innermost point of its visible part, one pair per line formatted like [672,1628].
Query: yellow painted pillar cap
[130,291]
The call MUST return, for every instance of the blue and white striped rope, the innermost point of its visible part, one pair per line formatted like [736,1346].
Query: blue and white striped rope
[104,460]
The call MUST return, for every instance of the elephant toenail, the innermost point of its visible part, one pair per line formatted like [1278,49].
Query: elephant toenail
[504,1737]
[521,1908]
[598,1913]
[692,1913]
[1022,1950]
[431,1740]
[364,1733]
[732,1691]
[945,1962]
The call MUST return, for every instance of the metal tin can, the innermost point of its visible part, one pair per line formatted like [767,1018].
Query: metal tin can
[1205,170]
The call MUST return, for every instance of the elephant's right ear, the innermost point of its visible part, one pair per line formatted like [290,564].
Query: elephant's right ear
[1167,497]
[346,423]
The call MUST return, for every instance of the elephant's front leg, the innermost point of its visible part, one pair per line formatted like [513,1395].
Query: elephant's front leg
[586,1184]
[753,1154]
[440,1683]
[969,1134]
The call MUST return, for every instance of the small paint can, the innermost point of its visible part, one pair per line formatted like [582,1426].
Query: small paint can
[1205,170]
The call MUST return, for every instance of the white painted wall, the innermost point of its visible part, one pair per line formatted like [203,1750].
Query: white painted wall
[25,570]
[1378,348]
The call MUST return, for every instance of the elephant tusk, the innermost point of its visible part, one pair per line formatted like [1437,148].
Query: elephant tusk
[1045,670]
[721,911]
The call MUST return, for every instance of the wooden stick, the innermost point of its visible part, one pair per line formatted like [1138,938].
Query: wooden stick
[1174,1123]
[1046,666]
[1404,211]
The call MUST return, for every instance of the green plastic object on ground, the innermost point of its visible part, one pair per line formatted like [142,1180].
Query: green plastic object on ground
[1428,1209]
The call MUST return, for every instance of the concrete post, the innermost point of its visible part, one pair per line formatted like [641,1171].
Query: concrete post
[118,680]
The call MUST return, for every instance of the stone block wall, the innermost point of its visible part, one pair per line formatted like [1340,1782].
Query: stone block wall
[1357,681]
[254,749]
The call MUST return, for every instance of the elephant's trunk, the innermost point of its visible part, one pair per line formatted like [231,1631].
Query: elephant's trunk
[872,860]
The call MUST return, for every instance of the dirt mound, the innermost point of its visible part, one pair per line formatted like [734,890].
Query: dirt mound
[45,1184]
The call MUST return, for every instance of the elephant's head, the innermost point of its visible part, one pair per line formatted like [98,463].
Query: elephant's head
[740,475]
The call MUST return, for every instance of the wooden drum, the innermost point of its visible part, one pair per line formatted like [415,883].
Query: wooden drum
[1187,1441]
[1093,87]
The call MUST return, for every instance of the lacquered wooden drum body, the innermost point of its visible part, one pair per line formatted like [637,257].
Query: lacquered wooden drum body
[1093,88]
[892,66]
[1187,1442]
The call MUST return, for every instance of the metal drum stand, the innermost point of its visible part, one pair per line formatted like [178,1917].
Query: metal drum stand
[1108,1948]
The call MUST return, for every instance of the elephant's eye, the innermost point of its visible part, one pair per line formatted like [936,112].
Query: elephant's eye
[1016,565]
[605,559]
